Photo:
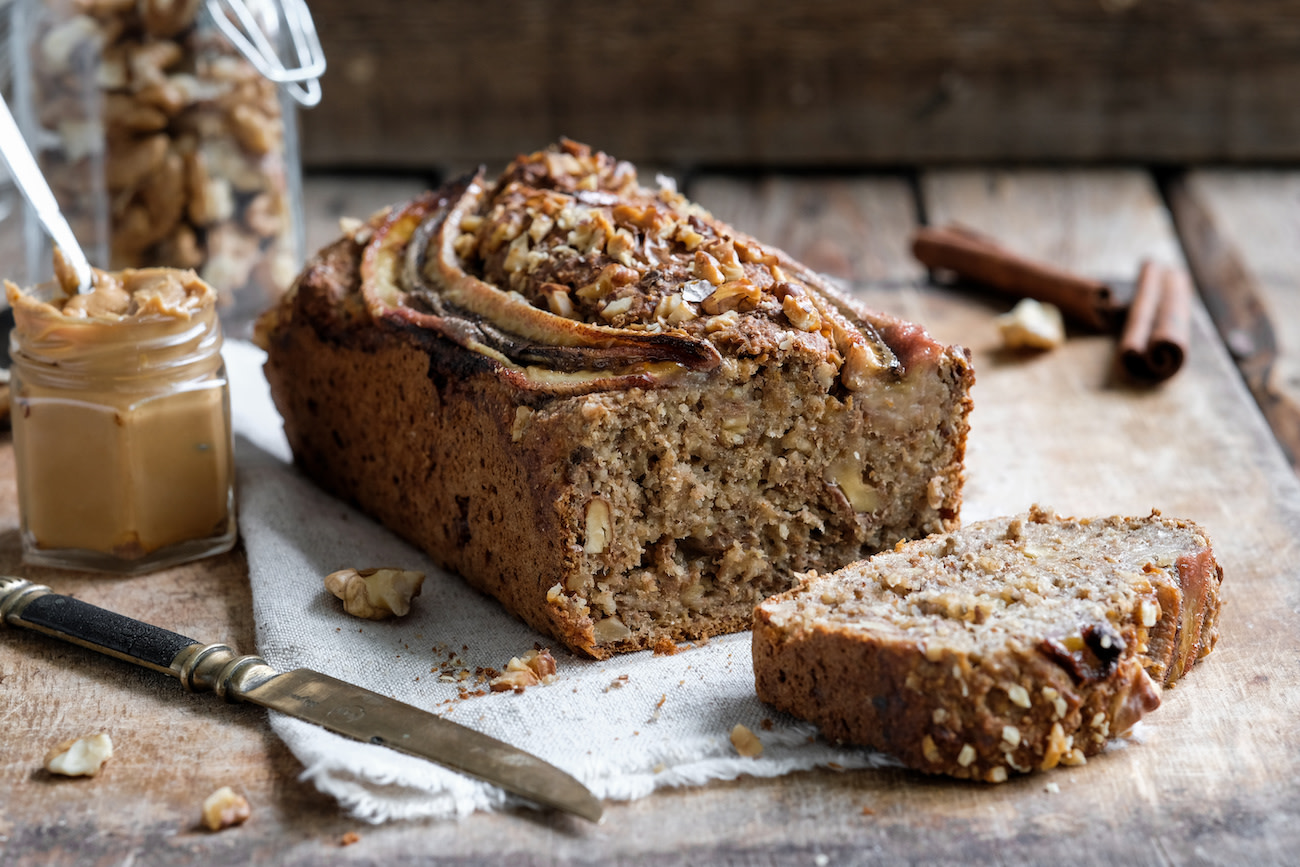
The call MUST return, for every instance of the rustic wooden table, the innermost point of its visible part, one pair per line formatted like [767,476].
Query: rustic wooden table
[1212,780]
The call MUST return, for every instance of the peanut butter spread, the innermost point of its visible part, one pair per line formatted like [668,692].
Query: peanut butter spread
[121,426]
[149,293]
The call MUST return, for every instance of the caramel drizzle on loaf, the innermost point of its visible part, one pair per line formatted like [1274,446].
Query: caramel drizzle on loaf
[570,276]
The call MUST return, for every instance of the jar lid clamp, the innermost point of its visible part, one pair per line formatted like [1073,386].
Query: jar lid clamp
[241,26]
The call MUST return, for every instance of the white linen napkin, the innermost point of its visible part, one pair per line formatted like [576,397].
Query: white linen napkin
[624,727]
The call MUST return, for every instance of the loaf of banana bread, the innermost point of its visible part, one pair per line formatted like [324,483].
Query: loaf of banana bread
[621,417]
[1005,647]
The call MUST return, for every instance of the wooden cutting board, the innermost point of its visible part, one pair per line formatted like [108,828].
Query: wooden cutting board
[1212,777]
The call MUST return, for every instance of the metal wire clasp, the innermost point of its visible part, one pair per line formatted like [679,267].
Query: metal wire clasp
[249,33]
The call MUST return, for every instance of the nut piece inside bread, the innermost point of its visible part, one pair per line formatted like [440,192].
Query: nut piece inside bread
[621,417]
[1006,647]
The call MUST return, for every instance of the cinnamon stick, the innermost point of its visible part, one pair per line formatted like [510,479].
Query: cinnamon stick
[1156,333]
[977,257]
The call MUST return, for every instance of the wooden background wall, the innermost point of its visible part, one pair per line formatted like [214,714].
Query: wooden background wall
[434,83]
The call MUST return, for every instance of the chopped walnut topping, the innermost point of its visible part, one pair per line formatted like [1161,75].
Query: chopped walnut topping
[705,267]
[801,313]
[617,308]
[620,247]
[688,237]
[674,309]
[738,295]
[721,321]
[558,300]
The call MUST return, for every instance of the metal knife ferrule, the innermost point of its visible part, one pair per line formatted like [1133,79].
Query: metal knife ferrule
[15,593]
[216,667]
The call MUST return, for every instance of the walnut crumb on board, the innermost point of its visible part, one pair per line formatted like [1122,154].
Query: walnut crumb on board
[80,757]
[225,808]
[1032,325]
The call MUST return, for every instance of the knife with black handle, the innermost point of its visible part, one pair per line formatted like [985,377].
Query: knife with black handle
[308,695]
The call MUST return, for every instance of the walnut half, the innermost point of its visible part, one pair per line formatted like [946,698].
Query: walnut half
[375,594]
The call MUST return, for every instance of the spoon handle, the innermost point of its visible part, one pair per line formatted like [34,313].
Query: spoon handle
[31,183]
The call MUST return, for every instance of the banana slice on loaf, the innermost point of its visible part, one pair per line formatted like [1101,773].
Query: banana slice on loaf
[1009,646]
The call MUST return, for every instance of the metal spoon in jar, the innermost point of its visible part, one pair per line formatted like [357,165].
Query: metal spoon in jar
[31,183]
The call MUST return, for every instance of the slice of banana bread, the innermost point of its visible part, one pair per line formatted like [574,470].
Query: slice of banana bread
[619,416]
[1008,646]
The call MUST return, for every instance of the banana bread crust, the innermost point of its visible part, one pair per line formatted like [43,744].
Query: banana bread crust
[908,678]
[620,479]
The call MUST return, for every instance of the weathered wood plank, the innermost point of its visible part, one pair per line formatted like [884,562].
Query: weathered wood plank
[1100,222]
[1212,779]
[726,82]
[327,198]
[1239,230]
[854,228]
[1060,429]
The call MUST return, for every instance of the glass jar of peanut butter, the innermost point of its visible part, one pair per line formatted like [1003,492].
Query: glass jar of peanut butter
[167,131]
[121,422]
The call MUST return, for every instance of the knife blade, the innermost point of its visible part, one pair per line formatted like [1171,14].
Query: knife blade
[341,707]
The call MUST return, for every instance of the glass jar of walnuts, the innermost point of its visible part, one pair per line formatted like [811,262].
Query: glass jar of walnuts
[167,130]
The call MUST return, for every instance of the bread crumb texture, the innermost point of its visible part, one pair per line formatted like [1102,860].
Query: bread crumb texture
[1009,646]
